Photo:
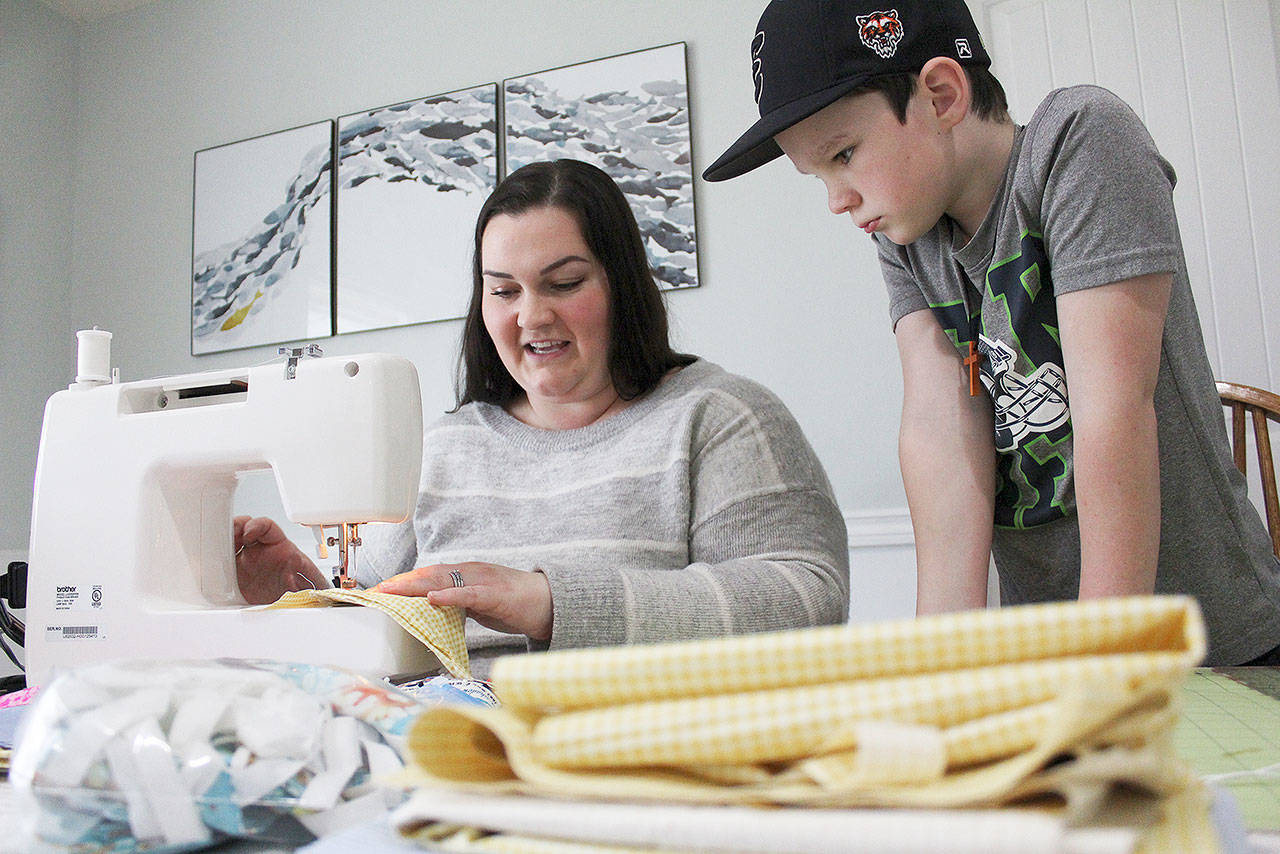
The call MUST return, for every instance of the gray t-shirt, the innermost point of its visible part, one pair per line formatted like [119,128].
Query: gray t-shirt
[699,510]
[1087,201]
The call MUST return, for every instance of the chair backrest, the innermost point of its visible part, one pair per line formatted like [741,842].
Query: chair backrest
[1258,405]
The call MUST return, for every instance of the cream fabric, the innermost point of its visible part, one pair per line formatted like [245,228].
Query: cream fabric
[463,821]
[439,628]
[1051,704]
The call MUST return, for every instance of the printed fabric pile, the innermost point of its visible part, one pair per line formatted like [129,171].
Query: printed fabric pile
[1031,728]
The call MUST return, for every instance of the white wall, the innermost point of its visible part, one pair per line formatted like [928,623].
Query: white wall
[37,150]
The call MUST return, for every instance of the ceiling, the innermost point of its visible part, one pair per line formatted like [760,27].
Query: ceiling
[84,11]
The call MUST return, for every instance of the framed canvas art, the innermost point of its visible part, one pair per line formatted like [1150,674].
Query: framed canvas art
[629,115]
[411,180]
[261,240]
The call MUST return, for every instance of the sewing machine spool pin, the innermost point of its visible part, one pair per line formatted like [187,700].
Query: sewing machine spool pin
[293,354]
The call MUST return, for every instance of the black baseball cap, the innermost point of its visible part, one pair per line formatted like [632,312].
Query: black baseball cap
[806,54]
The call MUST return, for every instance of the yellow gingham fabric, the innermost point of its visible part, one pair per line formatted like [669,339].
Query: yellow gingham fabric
[960,710]
[441,629]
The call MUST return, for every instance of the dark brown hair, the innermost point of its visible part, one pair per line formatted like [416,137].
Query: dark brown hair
[640,352]
[987,99]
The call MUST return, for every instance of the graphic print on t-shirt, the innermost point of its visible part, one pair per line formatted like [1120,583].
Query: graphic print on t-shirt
[1021,365]
[1023,405]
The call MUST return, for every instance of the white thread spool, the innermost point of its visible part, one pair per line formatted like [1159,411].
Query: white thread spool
[93,356]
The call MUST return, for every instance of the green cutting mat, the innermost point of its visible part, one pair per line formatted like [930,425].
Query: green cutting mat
[1230,725]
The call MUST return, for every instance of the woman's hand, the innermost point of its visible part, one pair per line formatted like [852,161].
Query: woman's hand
[499,597]
[269,564]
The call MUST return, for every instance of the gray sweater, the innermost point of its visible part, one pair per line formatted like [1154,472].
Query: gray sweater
[698,511]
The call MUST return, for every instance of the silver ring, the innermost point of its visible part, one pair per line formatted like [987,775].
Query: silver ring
[457,578]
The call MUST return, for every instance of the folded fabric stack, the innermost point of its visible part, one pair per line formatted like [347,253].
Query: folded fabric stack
[1047,727]
[440,629]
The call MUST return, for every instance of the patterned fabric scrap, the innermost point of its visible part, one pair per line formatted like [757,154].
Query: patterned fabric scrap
[1052,707]
[439,628]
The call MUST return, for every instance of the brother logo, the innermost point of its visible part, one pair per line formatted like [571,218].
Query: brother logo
[71,589]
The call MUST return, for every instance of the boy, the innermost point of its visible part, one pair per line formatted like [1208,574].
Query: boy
[1020,262]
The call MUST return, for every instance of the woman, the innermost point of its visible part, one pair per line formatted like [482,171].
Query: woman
[593,486]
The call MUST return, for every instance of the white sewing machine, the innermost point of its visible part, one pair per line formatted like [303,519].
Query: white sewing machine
[131,552]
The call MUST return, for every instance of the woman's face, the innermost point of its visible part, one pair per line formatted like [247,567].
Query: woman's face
[546,306]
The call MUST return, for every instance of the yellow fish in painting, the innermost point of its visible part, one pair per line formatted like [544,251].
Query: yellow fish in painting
[237,317]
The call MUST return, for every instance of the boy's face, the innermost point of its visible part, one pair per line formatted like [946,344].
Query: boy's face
[890,177]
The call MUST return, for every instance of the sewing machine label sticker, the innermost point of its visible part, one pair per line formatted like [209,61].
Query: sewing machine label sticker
[77,605]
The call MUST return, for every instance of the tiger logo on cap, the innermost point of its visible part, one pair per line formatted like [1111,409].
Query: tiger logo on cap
[881,31]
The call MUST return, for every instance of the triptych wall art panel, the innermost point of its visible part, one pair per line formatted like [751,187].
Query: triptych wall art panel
[284,251]
[411,180]
[260,237]
[629,115]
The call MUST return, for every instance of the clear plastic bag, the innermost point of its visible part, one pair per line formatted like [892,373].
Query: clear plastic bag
[179,755]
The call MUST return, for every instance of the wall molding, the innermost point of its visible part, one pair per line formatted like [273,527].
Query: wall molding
[878,528]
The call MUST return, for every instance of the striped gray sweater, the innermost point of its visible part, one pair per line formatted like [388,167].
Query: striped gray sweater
[700,510]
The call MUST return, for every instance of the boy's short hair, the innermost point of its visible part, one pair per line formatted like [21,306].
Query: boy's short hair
[987,98]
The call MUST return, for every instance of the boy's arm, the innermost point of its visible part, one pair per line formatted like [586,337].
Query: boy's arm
[947,453]
[1111,338]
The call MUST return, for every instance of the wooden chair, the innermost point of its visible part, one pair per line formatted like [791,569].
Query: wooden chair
[1259,405]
